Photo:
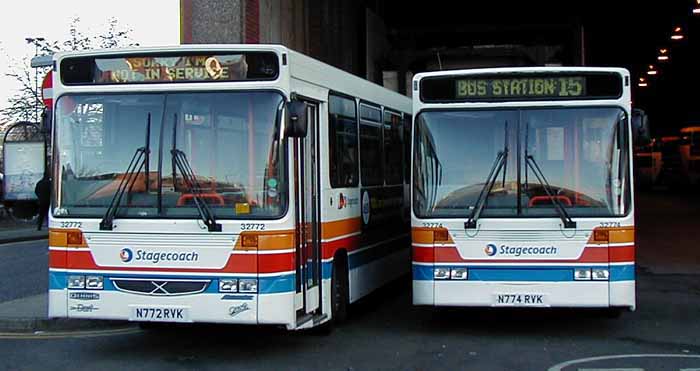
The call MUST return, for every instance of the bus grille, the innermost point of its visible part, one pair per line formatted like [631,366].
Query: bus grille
[160,287]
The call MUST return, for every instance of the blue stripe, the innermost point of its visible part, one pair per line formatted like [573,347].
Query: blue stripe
[622,272]
[277,284]
[536,274]
[57,280]
[422,273]
[521,274]
[327,270]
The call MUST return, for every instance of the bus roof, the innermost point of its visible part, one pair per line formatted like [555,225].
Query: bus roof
[171,48]
[507,70]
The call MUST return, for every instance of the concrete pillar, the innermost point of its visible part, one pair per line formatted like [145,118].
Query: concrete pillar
[211,21]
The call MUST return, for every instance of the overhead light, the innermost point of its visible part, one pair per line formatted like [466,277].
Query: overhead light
[642,82]
[652,71]
[677,34]
[663,54]
[696,10]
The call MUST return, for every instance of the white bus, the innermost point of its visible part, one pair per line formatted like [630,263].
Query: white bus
[245,184]
[521,188]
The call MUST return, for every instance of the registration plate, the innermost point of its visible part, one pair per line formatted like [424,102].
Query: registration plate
[160,314]
[520,300]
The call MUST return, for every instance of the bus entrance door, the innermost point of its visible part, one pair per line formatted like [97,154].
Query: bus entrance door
[308,256]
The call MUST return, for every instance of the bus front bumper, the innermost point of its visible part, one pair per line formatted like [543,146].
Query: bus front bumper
[117,303]
[591,294]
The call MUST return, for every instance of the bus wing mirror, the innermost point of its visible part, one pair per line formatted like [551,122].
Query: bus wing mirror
[640,127]
[296,120]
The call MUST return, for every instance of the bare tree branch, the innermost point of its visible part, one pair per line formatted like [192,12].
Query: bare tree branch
[22,105]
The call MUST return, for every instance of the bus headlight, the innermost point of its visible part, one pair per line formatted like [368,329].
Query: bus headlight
[582,274]
[228,285]
[442,273]
[94,282]
[247,285]
[601,274]
[76,282]
[458,273]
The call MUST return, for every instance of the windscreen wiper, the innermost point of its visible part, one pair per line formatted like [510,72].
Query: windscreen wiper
[565,218]
[138,161]
[180,162]
[498,164]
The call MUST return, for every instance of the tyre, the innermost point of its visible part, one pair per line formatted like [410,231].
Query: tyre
[339,290]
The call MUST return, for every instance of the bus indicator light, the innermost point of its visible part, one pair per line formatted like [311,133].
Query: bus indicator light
[601,235]
[249,240]
[440,235]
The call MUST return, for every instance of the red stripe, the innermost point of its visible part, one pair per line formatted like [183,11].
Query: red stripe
[423,254]
[237,263]
[273,263]
[348,243]
[622,254]
[590,255]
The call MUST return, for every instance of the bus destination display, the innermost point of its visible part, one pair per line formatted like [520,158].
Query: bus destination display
[169,68]
[533,87]
[521,86]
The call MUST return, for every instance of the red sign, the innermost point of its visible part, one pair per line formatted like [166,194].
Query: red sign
[47,91]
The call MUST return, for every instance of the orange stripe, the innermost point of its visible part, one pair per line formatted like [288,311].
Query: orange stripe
[268,240]
[340,228]
[622,235]
[422,235]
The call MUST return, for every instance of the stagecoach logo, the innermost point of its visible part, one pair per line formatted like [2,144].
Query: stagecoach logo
[365,207]
[490,249]
[518,251]
[126,255]
[345,201]
[238,309]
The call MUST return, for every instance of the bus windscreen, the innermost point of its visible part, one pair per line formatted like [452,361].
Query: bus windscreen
[169,68]
[521,86]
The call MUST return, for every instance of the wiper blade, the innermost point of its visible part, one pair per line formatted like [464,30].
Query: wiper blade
[565,218]
[500,163]
[180,162]
[138,161]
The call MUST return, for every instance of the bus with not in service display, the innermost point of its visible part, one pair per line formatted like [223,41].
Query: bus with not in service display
[522,188]
[243,184]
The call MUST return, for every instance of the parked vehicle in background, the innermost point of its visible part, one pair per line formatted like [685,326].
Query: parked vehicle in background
[690,153]
[672,173]
[648,163]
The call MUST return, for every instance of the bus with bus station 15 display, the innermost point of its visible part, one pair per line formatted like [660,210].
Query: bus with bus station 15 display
[522,188]
[243,184]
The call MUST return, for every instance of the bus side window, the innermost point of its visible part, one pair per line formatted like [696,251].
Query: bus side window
[371,146]
[342,132]
[393,156]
